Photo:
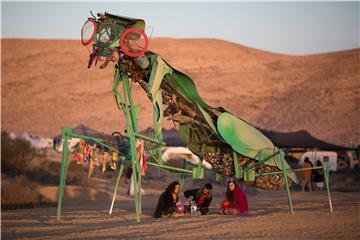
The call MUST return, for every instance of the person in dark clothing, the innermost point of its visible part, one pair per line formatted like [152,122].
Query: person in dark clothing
[168,200]
[318,177]
[202,197]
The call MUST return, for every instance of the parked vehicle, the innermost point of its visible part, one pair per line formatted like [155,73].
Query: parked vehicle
[327,158]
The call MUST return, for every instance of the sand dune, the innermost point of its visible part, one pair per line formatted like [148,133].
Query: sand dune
[46,85]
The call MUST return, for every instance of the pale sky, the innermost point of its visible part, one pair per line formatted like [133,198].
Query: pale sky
[296,28]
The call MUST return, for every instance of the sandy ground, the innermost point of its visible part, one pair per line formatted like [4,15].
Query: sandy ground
[85,216]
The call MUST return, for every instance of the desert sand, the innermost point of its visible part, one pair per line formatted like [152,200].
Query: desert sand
[85,216]
[46,85]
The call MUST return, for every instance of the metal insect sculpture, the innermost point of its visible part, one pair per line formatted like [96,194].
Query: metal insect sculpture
[231,145]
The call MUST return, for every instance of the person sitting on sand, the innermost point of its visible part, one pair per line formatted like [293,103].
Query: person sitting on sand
[168,201]
[202,197]
[238,204]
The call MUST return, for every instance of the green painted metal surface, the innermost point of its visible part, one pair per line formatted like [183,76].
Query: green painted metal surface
[242,137]
[182,176]
[186,87]
[249,176]
[248,141]
[171,168]
[117,95]
[158,71]
[188,132]
[131,132]
[272,158]
[238,170]
[198,173]
[209,121]
[128,21]
[286,183]
[63,171]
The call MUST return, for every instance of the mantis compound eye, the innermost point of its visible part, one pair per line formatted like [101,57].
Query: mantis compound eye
[134,42]
[88,31]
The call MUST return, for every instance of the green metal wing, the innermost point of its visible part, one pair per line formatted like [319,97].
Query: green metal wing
[186,87]
[248,141]
[241,136]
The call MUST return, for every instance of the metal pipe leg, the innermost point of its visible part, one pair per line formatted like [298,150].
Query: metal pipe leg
[286,182]
[116,187]
[326,173]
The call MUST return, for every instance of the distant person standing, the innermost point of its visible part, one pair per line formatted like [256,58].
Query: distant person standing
[155,173]
[318,176]
[129,179]
[306,175]
[128,174]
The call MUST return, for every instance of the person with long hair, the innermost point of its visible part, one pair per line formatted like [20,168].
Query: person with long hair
[168,201]
[236,200]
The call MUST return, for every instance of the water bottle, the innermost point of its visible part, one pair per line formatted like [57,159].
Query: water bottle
[193,207]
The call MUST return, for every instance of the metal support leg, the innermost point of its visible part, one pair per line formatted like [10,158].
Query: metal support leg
[63,173]
[116,187]
[139,186]
[131,134]
[326,173]
[236,166]
[134,124]
[218,177]
[182,176]
[286,182]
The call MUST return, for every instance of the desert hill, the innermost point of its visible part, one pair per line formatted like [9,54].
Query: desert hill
[46,85]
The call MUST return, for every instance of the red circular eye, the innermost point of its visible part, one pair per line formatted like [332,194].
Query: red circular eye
[134,42]
[88,31]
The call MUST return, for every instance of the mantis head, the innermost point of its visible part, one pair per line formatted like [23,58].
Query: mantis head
[113,37]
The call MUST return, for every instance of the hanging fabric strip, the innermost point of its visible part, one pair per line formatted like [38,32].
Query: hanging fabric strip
[140,152]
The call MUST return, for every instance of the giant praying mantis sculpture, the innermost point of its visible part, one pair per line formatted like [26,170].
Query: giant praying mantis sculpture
[229,144]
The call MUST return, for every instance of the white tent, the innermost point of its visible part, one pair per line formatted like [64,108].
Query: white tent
[38,142]
[72,143]
[183,153]
[12,136]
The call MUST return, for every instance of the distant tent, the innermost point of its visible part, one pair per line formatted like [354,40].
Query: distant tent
[80,129]
[114,141]
[36,142]
[300,139]
[171,137]
[84,130]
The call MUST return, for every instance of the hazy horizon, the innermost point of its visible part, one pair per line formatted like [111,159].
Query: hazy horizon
[294,28]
